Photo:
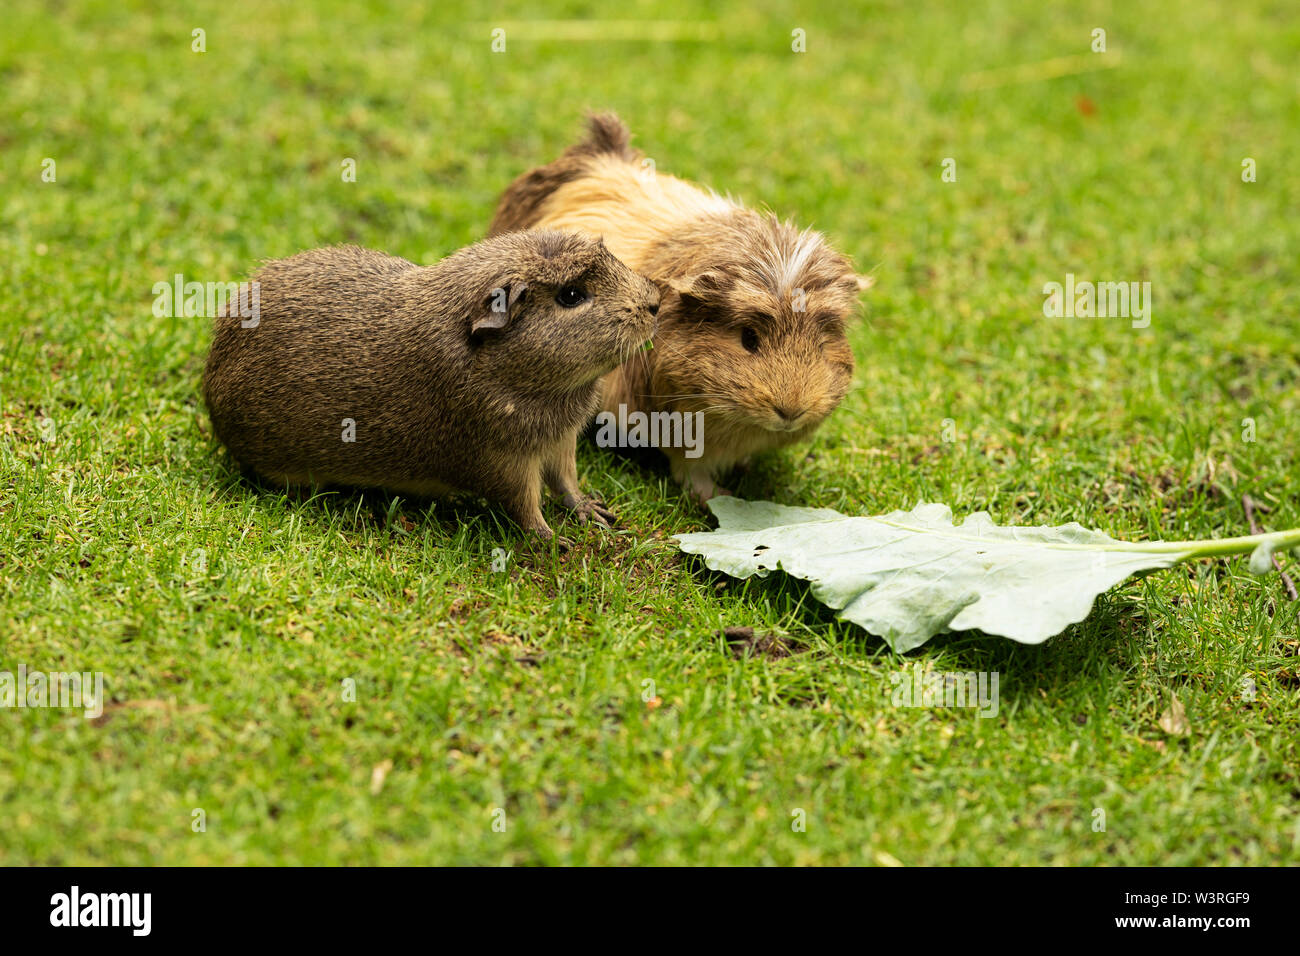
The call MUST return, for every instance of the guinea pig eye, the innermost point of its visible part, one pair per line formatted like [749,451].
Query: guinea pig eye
[571,296]
[749,338]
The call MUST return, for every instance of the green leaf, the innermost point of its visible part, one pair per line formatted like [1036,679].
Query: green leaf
[909,575]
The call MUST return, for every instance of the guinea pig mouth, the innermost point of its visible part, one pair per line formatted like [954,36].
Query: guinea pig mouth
[638,341]
[784,423]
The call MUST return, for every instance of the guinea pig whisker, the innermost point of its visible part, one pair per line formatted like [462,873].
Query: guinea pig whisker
[719,411]
[705,396]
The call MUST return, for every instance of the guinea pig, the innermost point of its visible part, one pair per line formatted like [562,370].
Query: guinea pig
[752,330]
[475,374]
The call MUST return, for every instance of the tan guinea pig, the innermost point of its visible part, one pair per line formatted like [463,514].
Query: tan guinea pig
[474,374]
[754,338]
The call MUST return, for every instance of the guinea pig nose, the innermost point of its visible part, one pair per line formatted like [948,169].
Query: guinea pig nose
[654,308]
[788,414]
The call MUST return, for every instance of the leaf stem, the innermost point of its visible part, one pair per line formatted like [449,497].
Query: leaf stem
[1212,547]
[1208,547]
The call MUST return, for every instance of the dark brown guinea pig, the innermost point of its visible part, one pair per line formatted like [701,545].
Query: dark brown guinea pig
[474,374]
[752,330]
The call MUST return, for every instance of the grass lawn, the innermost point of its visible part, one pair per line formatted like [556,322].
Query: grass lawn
[229,621]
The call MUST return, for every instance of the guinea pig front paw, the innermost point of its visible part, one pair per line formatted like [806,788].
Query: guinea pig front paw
[698,481]
[586,508]
[701,488]
[546,537]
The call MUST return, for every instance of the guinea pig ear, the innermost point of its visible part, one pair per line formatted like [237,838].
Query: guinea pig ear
[499,308]
[853,284]
[701,288]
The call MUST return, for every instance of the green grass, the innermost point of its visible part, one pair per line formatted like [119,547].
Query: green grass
[525,690]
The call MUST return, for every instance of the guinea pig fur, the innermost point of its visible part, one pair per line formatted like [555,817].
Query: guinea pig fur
[474,374]
[752,329]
